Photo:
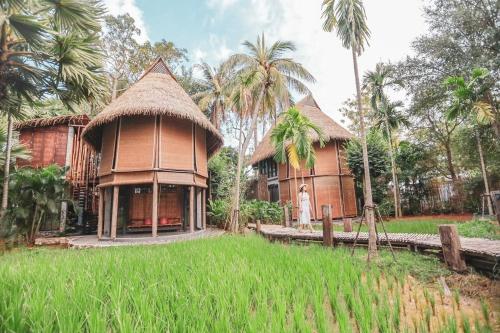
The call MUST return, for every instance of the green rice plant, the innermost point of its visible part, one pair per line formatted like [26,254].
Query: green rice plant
[427,318]
[485,311]
[466,328]
[456,298]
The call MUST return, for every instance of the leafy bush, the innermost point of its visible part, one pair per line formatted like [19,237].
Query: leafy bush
[218,211]
[266,212]
[35,198]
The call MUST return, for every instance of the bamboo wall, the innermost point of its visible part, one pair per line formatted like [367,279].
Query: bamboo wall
[329,182]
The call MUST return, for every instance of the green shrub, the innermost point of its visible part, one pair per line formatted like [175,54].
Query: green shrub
[480,229]
[218,211]
[266,212]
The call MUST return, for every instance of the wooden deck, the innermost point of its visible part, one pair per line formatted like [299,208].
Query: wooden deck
[482,254]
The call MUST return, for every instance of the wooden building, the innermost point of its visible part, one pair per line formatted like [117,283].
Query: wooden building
[154,143]
[330,181]
[58,140]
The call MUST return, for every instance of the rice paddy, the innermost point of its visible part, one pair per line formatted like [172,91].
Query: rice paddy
[228,284]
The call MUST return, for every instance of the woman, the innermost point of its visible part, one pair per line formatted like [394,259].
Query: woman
[305,209]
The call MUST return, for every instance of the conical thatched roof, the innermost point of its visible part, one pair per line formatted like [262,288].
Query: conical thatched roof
[308,107]
[156,93]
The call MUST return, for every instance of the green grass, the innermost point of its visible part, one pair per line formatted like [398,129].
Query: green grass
[226,284]
[474,228]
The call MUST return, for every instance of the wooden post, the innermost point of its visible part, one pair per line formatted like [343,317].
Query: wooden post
[287,216]
[450,242]
[100,213]
[114,212]
[191,208]
[347,225]
[204,209]
[327,225]
[155,208]
[257,226]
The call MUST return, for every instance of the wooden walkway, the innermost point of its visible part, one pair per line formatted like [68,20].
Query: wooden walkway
[482,254]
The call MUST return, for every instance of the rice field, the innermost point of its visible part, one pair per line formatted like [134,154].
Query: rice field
[227,284]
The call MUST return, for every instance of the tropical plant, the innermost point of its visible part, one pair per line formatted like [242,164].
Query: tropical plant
[36,197]
[218,211]
[348,18]
[48,48]
[214,96]
[375,82]
[471,102]
[293,139]
[264,70]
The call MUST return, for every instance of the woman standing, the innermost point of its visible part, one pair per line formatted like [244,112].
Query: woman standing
[305,209]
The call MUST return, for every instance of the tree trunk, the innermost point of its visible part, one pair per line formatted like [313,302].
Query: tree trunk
[483,171]
[369,213]
[449,162]
[234,218]
[6,171]
[296,196]
[397,203]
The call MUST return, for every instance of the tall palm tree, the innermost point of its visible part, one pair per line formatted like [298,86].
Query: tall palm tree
[292,139]
[348,18]
[48,48]
[375,82]
[266,71]
[214,95]
[470,101]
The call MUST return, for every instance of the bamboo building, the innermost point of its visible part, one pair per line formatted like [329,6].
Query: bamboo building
[330,181]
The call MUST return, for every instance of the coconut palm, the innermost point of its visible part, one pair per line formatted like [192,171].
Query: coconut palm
[48,48]
[348,18]
[293,143]
[267,72]
[470,102]
[375,82]
[214,95]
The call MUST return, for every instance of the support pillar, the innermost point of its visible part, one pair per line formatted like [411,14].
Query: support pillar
[100,213]
[155,207]
[191,208]
[347,225]
[114,212]
[204,208]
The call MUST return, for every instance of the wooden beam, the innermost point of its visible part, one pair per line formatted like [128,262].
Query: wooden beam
[100,213]
[347,225]
[191,208]
[114,212]
[155,207]
[327,225]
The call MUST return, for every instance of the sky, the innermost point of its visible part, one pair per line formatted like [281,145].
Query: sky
[211,30]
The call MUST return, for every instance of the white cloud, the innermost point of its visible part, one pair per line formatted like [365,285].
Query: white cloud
[393,23]
[220,5]
[119,7]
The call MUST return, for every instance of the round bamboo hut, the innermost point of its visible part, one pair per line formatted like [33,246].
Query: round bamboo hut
[330,181]
[154,144]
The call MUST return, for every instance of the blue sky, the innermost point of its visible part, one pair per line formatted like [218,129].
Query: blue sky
[213,29]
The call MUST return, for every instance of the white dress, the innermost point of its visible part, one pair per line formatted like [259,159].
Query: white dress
[305,215]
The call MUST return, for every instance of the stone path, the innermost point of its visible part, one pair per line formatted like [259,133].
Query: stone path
[91,241]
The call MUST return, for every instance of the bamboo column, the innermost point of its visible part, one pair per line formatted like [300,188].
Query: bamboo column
[191,208]
[114,213]
[155,206]
[204,208]
[100,213]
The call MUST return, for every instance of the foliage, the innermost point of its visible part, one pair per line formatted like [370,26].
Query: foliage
[109,289]
[36,195]
[480,229]
[50,48]
[265,211]
[218,211]
[222,168]
[292,139]
[18,151]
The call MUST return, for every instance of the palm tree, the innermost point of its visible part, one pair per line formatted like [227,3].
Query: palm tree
[48,48]
[213,97]
[374,82]
[267,72]
[471,102]
[348,18]
[293,142]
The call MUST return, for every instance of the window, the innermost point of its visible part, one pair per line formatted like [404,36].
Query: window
[274,193]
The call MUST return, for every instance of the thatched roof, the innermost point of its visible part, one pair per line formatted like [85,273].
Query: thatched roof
[309,107]
[80,119]
[155,93]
